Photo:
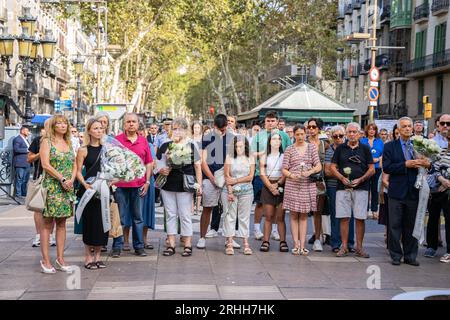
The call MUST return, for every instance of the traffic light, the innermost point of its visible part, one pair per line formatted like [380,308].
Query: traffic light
[428,111]
[425,99]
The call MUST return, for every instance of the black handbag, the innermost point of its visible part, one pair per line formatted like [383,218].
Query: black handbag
[189,182]
[317,177]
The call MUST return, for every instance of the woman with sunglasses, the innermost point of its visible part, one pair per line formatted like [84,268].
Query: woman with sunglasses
[338,137]
[376,148]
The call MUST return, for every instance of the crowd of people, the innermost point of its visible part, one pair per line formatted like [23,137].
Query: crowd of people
[340,176]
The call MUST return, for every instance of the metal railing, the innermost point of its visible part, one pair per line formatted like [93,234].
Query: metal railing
[348,9]
[440,5]
[356,4]
[422,12]
[432,61]
[5,88]
[386,14]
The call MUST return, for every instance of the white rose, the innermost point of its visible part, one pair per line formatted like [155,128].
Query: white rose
[280,189]
[196,186]
[347,170]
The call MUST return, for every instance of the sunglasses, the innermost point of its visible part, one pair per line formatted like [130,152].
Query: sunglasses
[445,123]
[340,136]
[312,127]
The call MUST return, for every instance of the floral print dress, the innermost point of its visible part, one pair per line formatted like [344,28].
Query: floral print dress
[59,201]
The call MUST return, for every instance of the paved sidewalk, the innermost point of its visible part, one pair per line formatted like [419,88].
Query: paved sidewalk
[208,274]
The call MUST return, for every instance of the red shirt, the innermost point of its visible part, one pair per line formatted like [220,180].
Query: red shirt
[141,148]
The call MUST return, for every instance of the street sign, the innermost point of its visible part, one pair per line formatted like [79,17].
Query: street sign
[374,74]
[374,83]
[373,94]
[373,103]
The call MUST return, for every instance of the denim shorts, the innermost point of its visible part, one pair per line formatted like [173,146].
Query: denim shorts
[257,188]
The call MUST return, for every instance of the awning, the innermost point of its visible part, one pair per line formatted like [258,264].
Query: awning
[40,118]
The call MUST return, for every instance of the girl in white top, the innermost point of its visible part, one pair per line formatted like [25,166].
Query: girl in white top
[239,170]
[271,165]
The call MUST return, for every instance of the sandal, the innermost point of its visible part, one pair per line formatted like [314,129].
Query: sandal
[170,251]
[362,254]
[304,252]
[126,247]
[91,266]
[247,250]
[342,253]
[335,250]
[187,252]
[265,246]
[100,265]
[229,249]
[295,251]
[148,246]
[283,246]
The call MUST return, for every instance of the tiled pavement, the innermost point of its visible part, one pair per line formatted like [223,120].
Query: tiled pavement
[208,274]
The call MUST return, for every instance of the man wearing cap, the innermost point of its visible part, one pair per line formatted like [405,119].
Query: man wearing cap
[20,163]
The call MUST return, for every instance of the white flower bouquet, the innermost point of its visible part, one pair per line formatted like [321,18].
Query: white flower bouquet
[120,164]
[177,156]
[424,148]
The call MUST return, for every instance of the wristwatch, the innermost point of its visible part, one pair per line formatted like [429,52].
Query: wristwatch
[147,182]
[63,180]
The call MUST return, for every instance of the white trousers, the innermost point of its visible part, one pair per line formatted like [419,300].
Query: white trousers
[178,204]
[238,209]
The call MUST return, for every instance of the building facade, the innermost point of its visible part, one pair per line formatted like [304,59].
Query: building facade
[417,62]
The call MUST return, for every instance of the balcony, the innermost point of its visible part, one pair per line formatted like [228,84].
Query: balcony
[348,9]
[385,14]
[356,4]
[439,7]
[421,13]
[341,14]
[401,18]
[436,62]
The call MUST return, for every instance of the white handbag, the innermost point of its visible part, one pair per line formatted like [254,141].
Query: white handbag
[219,178]
[36,195]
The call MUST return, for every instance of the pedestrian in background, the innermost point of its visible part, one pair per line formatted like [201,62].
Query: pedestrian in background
[34,158]
[20,163]
[301,160]
[58,162]
[376,148]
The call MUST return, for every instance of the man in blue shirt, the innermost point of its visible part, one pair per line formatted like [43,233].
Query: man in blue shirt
[443,127]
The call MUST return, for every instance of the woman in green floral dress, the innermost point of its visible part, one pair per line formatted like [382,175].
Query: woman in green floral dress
[58,162]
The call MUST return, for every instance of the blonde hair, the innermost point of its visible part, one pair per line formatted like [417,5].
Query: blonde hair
[87,136]
[51,128]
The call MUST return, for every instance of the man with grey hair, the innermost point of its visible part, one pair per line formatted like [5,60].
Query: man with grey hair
[352,165]
[399,163]
[443,125]
[129,195]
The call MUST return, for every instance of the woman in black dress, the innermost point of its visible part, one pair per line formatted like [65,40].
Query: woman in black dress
[89,157]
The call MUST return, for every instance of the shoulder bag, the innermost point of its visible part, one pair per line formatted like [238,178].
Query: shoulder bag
[36,198]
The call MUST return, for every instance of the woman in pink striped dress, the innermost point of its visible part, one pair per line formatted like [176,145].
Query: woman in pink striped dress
[300,161]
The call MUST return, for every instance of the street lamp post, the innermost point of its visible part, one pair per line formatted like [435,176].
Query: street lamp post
[78,63]
[30,63]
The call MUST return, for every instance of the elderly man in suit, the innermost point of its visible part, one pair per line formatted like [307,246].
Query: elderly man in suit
[20,163]
[399,163]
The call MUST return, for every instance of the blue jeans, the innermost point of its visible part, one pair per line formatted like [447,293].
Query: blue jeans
[336,223]
[22,177]
[130,210]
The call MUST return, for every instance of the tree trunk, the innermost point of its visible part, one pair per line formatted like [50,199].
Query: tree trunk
[218,92]
[226,69]
[133,47]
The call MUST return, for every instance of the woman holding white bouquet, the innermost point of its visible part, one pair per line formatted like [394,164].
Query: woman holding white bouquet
[239,169]
[271,172]
[182,177]
[88,157]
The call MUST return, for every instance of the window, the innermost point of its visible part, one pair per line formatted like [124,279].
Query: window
[421,91]
[439,93]
[439,37]
[421,44]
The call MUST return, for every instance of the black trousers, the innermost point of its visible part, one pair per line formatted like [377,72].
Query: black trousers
[402,216]
[438,202]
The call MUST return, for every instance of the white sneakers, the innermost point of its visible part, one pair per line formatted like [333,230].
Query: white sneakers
[201,244]
[52,240]
[36,241]
[259,235]
[211,234]
[275,235]
[317,246]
